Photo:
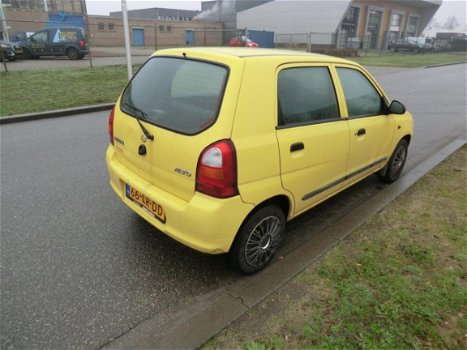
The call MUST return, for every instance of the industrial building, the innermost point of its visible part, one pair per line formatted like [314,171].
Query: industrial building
[358,23]
[154,27]
[368,24]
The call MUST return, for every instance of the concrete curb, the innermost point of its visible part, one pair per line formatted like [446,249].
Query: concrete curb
[444,64]
[192,323]
[55,114]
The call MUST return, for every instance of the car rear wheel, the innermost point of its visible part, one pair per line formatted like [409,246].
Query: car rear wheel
[258,239]
[72,53]
[396,163]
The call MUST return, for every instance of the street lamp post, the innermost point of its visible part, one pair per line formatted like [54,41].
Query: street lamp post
[127,40]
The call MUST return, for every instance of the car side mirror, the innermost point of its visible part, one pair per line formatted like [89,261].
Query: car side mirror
[396,107]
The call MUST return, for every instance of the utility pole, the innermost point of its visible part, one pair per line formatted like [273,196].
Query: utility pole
[4,26]
[4,35]
[127,40]
[88,33]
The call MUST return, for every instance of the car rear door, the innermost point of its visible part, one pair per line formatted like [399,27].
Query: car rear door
[313,139]
[59,40]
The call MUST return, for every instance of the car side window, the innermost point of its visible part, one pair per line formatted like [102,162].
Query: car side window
[361,96]
[40,37]
[306,95]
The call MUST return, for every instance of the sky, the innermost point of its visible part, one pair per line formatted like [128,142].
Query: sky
[449,8]
[103,7]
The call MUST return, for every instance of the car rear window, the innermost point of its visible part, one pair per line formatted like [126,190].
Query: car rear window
[177,94]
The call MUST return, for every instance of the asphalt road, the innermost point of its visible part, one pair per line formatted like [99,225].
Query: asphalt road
[78,268]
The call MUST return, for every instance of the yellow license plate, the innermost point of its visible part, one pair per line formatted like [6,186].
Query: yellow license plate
[146,203]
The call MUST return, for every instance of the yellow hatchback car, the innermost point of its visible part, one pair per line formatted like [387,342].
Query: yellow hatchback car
[219,147]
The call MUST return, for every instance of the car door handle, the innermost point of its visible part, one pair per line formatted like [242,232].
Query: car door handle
[360,132]
[297,147]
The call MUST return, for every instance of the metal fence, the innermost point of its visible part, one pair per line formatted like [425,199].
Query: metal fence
[344,44]
[106,37]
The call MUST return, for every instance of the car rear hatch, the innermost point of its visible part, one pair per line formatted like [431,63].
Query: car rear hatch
[171,110]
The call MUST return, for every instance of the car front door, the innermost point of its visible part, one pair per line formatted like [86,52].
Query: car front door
[371,129]
[313,139]
[39,43]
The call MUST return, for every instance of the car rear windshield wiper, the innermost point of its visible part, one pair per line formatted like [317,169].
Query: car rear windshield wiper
[143,115]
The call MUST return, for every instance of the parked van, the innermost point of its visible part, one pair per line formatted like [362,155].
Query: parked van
[69,42]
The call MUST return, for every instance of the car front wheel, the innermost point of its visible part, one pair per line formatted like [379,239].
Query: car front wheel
[258,239]
[396,163]
[27,54]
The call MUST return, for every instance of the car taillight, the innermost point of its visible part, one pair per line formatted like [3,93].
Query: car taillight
[82,43]
[111,125]
[216,173]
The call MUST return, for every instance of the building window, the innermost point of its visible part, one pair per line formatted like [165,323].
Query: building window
[412,26]
[350,22]
[161,29]
[111,26]
[395,27]
[396,20]
[169,29]
[53,6]
[101,26]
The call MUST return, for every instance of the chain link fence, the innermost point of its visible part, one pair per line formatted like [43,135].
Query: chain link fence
[370,44]
[105,36]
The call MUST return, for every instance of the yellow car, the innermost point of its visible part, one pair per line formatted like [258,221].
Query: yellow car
[219,147]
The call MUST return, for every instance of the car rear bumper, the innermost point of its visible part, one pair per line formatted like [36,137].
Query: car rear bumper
[204,223]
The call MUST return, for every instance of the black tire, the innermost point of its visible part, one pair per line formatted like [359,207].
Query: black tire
[72,53]
[396,163]
[258,239]
[27,54]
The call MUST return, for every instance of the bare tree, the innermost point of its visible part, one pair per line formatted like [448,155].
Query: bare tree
[451,23]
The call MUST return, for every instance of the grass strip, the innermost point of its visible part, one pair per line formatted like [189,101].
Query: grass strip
[397,282]
[43,90]
[411,60]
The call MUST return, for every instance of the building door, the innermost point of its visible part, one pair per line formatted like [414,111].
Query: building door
[138,36]
[373,27]
[189,37]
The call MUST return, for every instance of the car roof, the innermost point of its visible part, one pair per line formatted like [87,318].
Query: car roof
[245,53]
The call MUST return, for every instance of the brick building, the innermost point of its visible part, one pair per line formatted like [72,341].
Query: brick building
[156,28]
